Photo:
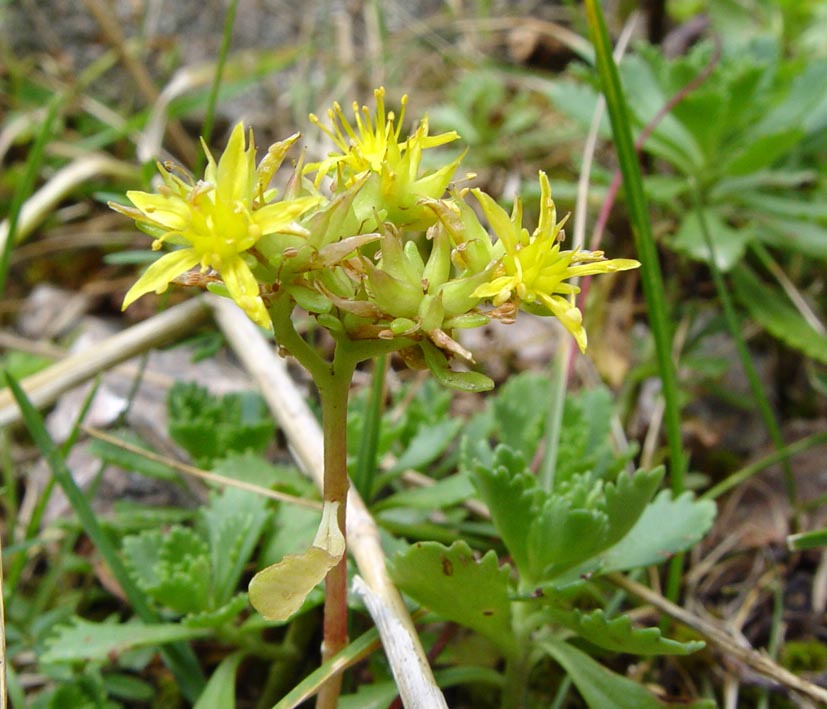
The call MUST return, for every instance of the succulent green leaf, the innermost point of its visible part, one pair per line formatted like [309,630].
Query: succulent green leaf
[520,409]
[443,493]
[429,442]
[451,582]
[81,640]
[730,244]
[463,381]
[618,634]
[600,687]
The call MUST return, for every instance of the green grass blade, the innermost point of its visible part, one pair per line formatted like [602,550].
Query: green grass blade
[357,650]
[365,471]
[212,100]
[651,276]
[778,456]
[179,657]
[25,186]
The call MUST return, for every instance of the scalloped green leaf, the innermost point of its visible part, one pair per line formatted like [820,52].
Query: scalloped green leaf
[666,527]
[512,497]
[173,569]
[209,427]
[626,499]
[561,535]
[81,640]
[452,583]
[217,617]
[771,309]
[602,688]
[618,634]
[520,409]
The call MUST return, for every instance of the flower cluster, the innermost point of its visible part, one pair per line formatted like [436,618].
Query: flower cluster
[374,246]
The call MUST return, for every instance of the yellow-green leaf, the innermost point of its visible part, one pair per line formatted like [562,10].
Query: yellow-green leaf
[278,591]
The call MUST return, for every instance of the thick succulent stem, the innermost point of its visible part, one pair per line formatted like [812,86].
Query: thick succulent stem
[333,391]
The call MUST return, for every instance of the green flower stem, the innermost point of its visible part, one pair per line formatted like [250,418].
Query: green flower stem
[333,381]
[333,392]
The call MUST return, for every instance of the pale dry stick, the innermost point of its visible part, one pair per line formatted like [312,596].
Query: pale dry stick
[795,296]
[758,661]
[112,29]
[195,472]
[63,182]
[184,80]
[408,661]
[578,44]
[46,386]
[17,126]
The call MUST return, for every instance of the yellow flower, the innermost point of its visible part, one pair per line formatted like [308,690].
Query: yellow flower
[373,146]
[217,220]
[532,270]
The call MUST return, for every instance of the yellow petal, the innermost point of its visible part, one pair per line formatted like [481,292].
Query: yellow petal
[236,169]
[278,591]
[548,212]
[499,220]
[272,161]
[169,211]
[159,274]
[277,217]
[243,288]
[610,266]
[569,315]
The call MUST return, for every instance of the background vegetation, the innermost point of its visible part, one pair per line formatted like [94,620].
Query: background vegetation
[125,566]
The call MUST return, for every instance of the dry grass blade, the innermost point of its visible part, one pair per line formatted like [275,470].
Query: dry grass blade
[717,636]
[405,654]
[43,202]
[112,29]
[47,385]
[199,473]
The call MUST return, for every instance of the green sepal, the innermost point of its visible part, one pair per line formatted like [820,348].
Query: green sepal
[310,300]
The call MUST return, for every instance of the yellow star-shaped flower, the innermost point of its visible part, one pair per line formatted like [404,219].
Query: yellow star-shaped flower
[217,220]
[532,270]
[374,146]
